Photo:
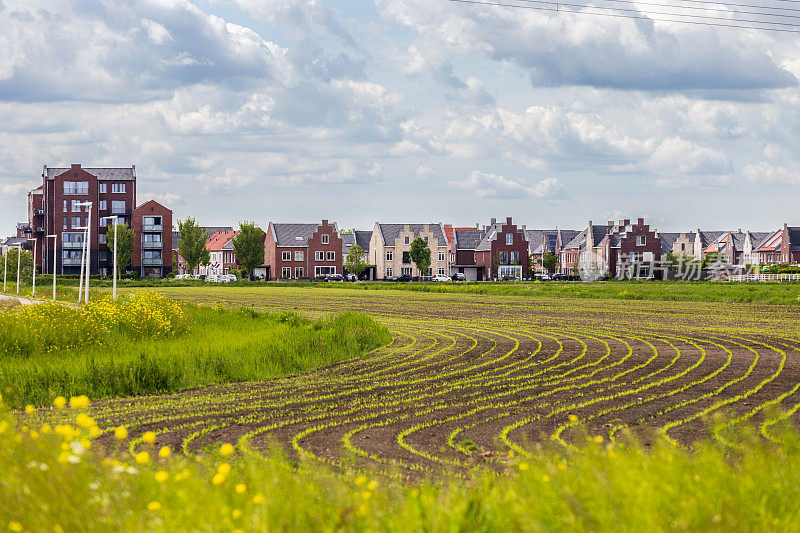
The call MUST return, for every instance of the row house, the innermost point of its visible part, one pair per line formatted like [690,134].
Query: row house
[294,251]
[362,238]
[543,241]
[221,256]
[463,257]
[779,247]
[585,252]
[54,209]
[503,251]
[391,244]
[180,262]
[680,244]
[152,240]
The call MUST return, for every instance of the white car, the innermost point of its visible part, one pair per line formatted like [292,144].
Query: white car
[440,277]
[183,276]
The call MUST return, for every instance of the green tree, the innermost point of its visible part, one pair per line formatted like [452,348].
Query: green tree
[124,245]
[355,263]
[549,261]
[713,257]
[249,247]
[420,255]
[192,244]
[25,268]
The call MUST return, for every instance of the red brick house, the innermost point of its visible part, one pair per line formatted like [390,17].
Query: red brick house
[463,254]
[152,239]
[779,247]
[220,254]
[503,251]
[294,251]
[632,245]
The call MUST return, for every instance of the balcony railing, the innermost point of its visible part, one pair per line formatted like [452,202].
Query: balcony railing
[71,261]
[152,245]
[152,227]
[149,261]
[71,245]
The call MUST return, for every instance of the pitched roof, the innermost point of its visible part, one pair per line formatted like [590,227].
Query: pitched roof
[467,238]
[491,233]
[577,242]
[389,232]
[668,240]
[599,232]
[13,241]
[116,173]
[794,238]
[295,234]
[362,239]
[218,240]
[211,230]
[567,235]
[768,241]
[707,237]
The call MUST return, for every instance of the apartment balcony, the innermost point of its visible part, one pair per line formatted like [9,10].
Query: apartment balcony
[152,245]
[152,227]
[72,245]
[38,229]
[38,212]
[71,261]
[149,261]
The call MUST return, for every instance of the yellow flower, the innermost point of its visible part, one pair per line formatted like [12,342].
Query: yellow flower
[45,429]
[546,478]
[218,479]
[34,434]
[224,469]
[573,418]
[149,437]
[164,452]
[59,402]
[15,526]
[30,409]
[362,510]
[360,480]
[598,439]
[95,432]
[84,420]
[366,495]
[161,476]
[121,433]
[372,485]
[78,402]
[524,466]
[153,506]
[226,449]
[236,514]
[142,457]
[241,488]
[259,499]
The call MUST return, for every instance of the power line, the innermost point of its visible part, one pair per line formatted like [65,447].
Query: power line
[764,25]
[697,8]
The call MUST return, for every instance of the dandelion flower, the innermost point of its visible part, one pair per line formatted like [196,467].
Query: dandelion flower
[236,514]
[161,476]
[78,402]
[142,457]
[153,506]
[226,449]
[84,420]
[572,418]
[164,452]
[372,485]
[30,409]
[15,526]
[121,433]
[524,466]
[259,499]
[45,429]
[59,402]
[360,480]
[224,469]
[149,437]
[218,479]
[546,478]
[598,439]
[241,488]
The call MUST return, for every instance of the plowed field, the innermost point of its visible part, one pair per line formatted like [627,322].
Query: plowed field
[468,377]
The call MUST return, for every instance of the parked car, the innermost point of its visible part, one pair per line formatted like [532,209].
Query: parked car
[440,277]
[227,278]
[351,277]
[183,276]
[334,277]
[404,277]
[508,278]
[542,277]
[459,276]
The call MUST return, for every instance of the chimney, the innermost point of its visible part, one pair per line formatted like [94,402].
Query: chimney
[641,222]
[477,226]
[75,166]
[493,222]
[508,221]
[610,223]
[324,222]
[523,227]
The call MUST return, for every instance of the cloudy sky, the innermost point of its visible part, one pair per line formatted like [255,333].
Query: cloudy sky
[404,111]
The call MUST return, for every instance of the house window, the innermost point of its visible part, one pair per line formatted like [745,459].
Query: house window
[117,206]
[509,238]
[298,271]
[641,240]
[65,206]
[103,188]
[286,256]
[103,205]
[152,237]
[406,240]
[75,222]
[286,272]
[103,222]
[441,256]
[75,208]
[102,238]
[117,187]
[298,256]
[441,272]
[76,187]
[319,256]
[426,239]
[388,272]
[65,223]
[406,271]
[331,256]
[325,239]
[389,255]
[406,258]
[324,271]
[152,254]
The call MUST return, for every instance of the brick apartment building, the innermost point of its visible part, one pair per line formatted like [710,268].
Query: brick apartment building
[152,245]
[503,251]
[53,210]
[294,251]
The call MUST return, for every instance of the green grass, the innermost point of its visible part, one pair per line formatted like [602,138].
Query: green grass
[51,482]
[41,359]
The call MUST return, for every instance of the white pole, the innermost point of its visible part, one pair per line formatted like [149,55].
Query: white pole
[115,258]
[83,260]
[33,261]
[54,264]
[19,260]
[5,269]
[88,252]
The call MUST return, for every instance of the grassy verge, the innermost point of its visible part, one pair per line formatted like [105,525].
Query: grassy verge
[54,481]
[147,344]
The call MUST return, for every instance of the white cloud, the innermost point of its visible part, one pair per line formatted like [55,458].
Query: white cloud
[487,185]
[18,189]
[765,173]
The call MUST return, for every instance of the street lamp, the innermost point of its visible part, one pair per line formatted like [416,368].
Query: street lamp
[114,218]
[33,263]
[54,263]
[88,247]
[19,260]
